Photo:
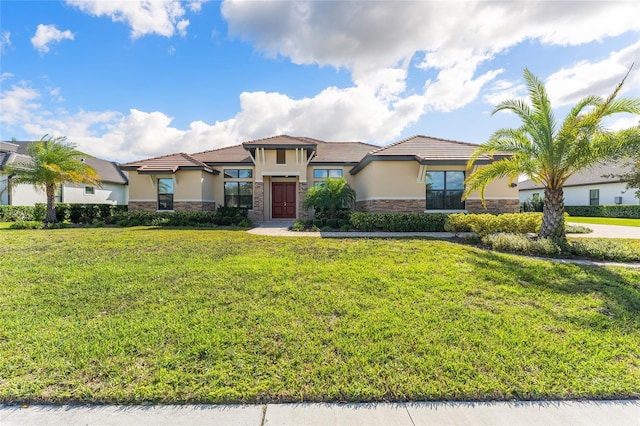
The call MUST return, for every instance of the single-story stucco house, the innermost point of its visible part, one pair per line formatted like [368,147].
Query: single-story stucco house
[113,188]
[270,177]
[599,185]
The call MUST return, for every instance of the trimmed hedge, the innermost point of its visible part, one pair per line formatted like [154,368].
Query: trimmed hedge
[398,222]
[74,213]
[225,216]
[485,224]
[16,213]
[631,211]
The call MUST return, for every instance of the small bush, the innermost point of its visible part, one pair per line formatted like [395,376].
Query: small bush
[298,226]
[577,229]
[26,224]
[486,224]
[398,222]
[520,243]
[532,205]
[604,249]
[16,213]
[39,212]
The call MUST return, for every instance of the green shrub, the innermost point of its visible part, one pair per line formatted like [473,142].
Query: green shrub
[604,249]
[16,213]
[532,205]
[398,222]
[520,243]
[577,229]
[26,224]
[298,226]
[485,224]
[631,211]
[39,212]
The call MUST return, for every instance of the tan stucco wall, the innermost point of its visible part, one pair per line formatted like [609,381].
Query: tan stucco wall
[189,185]
[389,179]
[267,166]
[397,179]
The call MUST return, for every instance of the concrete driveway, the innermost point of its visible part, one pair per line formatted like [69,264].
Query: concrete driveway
[608,231]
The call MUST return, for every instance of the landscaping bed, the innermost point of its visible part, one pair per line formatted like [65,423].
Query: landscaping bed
[132,315]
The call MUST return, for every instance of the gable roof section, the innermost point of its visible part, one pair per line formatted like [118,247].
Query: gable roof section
[326,152]
[167,164]
[341,152]
[230,154]
[425,150]
[591,176]
[107,170]
[280,141]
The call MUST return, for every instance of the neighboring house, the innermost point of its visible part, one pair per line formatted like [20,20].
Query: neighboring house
[113,188]
[270,177]
[596,186]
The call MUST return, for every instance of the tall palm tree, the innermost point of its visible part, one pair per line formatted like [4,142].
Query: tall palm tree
[53,162]
[549,152]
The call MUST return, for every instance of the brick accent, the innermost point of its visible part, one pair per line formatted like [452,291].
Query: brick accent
[148,206]
[493,206]
[302,190]
[257,214]
[203,206]
[391,206]
[418,206]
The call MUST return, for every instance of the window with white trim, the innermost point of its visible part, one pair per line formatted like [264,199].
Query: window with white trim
[319,175]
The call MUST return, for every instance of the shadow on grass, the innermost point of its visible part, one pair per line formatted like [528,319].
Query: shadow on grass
[620,291]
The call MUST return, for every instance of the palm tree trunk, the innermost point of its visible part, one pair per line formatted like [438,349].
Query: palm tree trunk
[553,214]
[51,205]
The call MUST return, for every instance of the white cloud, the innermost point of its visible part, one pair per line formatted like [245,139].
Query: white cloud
[47,34]
[160,17]
[372,110]
[5,75]
[452,38]
[501,90]
[17,104]
[568,85]
[5,41]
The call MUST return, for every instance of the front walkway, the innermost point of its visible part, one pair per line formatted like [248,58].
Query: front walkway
[608,231]
[549,413]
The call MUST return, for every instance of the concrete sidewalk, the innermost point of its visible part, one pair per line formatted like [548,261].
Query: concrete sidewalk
[549,413]
[608,231]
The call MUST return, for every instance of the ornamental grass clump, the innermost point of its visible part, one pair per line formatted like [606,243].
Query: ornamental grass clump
[520,243]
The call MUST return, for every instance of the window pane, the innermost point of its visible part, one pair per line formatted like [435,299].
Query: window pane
[230,173]
[335,173]
[435,200]
[245,173]
[594,197]
[165,201]
[246,188]
[246,201]
[230,188]
[453,200]
[230,201]
[320,173]
[165,186]
[455,180]
[435,180]
[281,156]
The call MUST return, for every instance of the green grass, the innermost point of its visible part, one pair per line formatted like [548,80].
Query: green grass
[137,314]
[604,220]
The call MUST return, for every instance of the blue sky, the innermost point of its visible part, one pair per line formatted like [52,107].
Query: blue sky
[132,79]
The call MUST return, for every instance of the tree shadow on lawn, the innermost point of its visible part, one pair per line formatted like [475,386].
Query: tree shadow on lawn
[620,291]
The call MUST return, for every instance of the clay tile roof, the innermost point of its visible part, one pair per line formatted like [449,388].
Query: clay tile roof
[284,141]
[166,163]
[341,152]
[230,154]
[428,148]
[601,173]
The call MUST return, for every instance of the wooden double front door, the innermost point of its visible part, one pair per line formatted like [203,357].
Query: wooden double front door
[283,200]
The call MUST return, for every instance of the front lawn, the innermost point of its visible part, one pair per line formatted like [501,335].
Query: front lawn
[604,221]
[140,314]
